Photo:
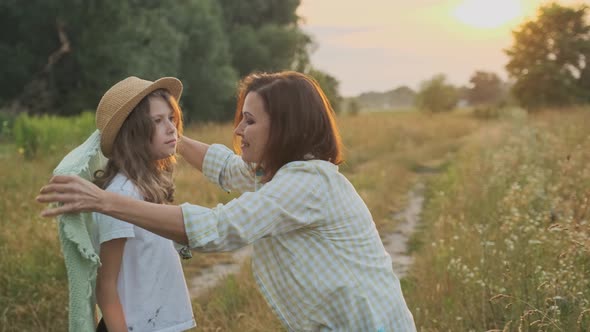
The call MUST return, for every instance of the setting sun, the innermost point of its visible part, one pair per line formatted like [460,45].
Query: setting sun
[487,14]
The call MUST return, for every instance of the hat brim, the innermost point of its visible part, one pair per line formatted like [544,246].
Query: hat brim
[109,132]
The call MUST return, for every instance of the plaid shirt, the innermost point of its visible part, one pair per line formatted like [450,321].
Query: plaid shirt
[317,257]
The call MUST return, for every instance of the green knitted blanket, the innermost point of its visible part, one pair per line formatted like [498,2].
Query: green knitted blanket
[75,237]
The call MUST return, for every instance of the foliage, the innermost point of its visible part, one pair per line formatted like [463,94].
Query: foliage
[353,107]
[6,125]
[329,85]
[486,88]
[400,97]
[44,135]
[550,58]
[97,54]
[209,79]
[436,95]
[489,112]
[264,36]
[61,56]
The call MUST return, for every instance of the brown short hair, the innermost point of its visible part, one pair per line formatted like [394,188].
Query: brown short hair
[302,122]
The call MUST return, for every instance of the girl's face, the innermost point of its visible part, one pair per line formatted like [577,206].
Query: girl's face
[165,136]
[254,128]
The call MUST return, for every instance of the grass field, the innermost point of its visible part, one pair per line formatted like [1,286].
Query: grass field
[505,242]
[506,219]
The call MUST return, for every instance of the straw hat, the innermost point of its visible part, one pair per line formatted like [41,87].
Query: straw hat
[121,99]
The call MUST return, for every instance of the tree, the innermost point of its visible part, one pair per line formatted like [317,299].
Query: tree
[60,56]
[137,41]
[330,86]
[436,95]
[400,97]
[353,106]
[264,35]
[69,52]
[485,88]
[550,58]
[205,62]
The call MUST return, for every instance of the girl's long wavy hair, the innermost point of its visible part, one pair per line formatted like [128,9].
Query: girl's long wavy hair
[132,154]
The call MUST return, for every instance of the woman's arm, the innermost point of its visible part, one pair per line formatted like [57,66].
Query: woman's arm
[79,195]
[221,166]
[193,151]
[228,170]
[293,199]
[290,201]
[107,296]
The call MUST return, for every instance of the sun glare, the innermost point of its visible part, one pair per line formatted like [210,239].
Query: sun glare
[486,14]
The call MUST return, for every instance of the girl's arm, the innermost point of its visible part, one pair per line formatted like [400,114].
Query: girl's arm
[107,296]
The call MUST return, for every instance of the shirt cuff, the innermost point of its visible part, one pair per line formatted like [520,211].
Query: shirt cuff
[184,251]
[200,225]
[215,161]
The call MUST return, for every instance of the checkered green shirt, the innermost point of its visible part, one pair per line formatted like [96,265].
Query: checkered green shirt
[317,256]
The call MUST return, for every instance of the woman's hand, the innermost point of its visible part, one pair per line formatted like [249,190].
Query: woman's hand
[74,195]
[192,151]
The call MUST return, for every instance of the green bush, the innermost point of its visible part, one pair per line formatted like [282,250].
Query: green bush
[6,125]
[487,112]
[42,135]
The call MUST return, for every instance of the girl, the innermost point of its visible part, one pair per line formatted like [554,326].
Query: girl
[317,256]
[140,285]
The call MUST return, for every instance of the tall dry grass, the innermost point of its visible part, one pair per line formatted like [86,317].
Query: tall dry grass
[33,288]
[506,239]
[383,152]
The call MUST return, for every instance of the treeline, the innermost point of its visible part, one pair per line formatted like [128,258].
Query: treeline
[436,94]
[60,56]
[548,67]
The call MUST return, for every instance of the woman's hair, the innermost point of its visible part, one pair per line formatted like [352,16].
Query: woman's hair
[302,124]
[132,154]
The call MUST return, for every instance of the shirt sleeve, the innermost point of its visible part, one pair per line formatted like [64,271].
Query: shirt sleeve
[226,169]
[291,200]
[110,228]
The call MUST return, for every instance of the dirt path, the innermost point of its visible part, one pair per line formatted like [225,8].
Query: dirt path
[210,276]
[395,243]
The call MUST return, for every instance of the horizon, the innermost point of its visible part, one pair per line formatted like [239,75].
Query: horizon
[373,52]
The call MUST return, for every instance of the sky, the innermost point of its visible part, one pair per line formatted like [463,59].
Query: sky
[378,45]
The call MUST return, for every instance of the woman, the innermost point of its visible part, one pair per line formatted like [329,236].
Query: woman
[317,257]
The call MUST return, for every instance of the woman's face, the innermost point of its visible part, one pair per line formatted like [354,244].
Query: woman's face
[254,128]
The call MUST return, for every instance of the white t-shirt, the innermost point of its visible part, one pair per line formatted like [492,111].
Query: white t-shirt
[151,285]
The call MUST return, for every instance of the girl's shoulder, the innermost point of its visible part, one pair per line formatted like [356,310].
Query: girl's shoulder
[121,184]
